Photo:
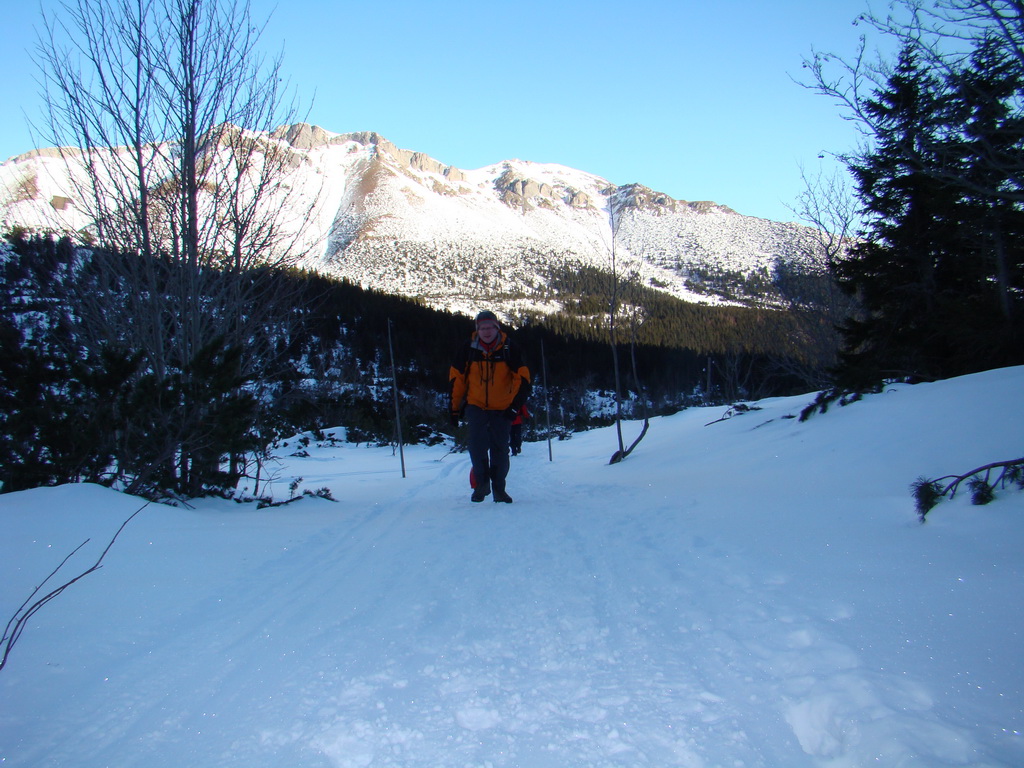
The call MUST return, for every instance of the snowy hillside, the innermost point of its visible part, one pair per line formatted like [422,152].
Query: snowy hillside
[754,592]
[400,221]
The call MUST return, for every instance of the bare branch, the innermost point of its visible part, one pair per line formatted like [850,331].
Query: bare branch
[1007,468]
[17,623]
[946,35]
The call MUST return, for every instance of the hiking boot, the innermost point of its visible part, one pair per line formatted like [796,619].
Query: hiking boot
[502,497]
[480,492]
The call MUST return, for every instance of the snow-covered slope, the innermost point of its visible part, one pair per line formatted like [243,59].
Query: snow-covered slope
[402,222]
[757,592]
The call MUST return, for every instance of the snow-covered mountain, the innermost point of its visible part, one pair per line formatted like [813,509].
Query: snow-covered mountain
[402,222]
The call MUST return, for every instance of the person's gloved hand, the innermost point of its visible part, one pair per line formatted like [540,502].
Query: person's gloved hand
[510,413]
[455,417]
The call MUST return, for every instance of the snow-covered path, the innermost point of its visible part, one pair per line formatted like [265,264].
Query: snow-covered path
[757,592]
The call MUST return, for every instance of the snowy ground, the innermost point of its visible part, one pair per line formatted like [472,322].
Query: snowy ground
[757,592]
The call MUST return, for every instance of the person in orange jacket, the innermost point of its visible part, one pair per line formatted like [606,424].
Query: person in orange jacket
[489,383]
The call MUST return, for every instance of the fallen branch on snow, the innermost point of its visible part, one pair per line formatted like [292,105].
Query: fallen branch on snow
[16,625]
[927,493]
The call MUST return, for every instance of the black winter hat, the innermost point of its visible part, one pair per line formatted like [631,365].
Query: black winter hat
[486,315]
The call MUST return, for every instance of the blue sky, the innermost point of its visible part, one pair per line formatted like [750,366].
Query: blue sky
[692,98]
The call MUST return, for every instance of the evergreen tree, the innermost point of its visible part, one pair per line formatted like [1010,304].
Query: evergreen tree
[987,152]
[895,271]
[925,271]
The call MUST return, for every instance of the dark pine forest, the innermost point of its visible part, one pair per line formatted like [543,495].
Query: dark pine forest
[80,398]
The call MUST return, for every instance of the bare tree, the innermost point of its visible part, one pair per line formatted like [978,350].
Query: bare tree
[165,112]
[828,206]
[618,278]
[947,31]
[946,34]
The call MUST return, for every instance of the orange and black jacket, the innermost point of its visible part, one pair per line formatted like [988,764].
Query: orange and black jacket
[494,379]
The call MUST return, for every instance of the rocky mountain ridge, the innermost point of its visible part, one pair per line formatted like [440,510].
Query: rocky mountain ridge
[402,222]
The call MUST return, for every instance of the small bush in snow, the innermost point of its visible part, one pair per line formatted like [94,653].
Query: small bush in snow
[927,493]
[981,492]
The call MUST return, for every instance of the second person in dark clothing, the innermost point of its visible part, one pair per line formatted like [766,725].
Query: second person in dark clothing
[515,440]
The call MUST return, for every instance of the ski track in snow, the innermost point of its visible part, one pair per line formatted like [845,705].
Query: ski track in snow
[599,621]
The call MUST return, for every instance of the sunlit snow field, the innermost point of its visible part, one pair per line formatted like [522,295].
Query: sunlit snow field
[752,592]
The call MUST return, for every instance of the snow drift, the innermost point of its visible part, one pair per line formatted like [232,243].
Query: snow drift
[756,592]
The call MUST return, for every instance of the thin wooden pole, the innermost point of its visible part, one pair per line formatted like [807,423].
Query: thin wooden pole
[394,389]
[547,401]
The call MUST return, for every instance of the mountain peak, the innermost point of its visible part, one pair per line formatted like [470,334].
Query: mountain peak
[303,135]
[400,221]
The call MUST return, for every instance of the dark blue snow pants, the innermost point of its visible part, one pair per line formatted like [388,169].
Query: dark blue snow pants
[488,445]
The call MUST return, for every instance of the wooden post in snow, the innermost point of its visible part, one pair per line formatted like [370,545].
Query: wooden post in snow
[547,402]
[394,389]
